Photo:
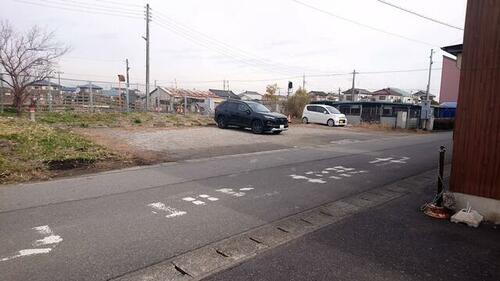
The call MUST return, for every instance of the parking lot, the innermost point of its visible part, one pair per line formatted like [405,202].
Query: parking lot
[157,145]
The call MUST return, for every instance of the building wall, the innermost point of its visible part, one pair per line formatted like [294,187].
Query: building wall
[450,79]
[476,149]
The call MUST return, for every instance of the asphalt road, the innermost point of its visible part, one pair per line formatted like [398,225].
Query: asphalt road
[106,225]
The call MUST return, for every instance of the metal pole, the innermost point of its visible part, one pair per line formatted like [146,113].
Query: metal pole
[127,96]
[147,55]
[91,98]
[49,94]
[1,92]
[60,86]
[439,201]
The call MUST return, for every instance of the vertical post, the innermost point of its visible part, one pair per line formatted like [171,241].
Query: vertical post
[304,81]
[1,92]
[429,79]
[127,94]
[148,19]
[353,85]
[439,201]
[60,86]
[91,98]
[49,94]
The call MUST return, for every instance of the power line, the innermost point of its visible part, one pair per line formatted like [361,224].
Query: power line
[362,24]
[100,6]
[78,10]
[419,15]
[240,52]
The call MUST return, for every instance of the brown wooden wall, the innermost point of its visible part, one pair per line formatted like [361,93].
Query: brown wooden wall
[476,150]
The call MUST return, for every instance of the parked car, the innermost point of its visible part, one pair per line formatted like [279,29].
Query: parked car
[323,114]
[249,114]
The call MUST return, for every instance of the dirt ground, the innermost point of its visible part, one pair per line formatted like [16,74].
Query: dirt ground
[154,145]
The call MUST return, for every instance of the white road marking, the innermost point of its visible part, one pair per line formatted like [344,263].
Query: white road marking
[52,239]
[189,199]
[319,175]
[246,188]
[309,173]
[296,177]
[198,202]
[213,198]
[28,252]
[339,167]
[335,177]
[325,172]
[377,160]
[172,212]
[316,181]
[43,229]
[348,169]
[203,196]
[239,194]
[346,175]
[402,160]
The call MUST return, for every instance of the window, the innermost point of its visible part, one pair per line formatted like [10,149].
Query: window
[243,107]
[355,110]
[345,110]
[310,108]
[381,98]
[257,107]
[333,110]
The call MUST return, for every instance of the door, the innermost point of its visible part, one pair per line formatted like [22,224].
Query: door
[323,115]
[244,115]
[311,113]
[232,113]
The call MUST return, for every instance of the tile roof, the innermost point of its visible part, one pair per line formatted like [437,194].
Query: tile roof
[188,93]
[224,94]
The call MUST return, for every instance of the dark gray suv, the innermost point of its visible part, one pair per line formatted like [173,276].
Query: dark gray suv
[249,114]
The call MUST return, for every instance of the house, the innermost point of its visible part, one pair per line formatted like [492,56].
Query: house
[476,154]
[225,94]
[44,85]
[421,95]
[450,74]
[87,88]
[172,100]
[251,96]
[6,96]
[318,95]
[357,95]
[392,95]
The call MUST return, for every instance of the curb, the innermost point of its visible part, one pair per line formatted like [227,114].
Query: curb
[227,253]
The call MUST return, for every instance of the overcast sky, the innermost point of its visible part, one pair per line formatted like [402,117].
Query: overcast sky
[200,43]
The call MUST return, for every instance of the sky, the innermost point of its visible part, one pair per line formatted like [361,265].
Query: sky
[197,44]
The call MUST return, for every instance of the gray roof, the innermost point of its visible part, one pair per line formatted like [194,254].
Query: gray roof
[453,49]
[249,93]
[422,93]
[224,94]
[357,91]
[391,92]
[45,83]
[318,93]
[87,86]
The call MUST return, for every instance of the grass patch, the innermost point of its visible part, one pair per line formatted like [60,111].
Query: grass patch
[31,150]
[120,119]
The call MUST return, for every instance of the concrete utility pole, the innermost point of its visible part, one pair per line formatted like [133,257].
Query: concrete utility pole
[353,84]
[91,97]
[127,94]
[147,38]
[429,79]
[304,81]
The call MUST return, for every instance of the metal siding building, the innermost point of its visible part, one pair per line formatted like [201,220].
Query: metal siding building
[476,150]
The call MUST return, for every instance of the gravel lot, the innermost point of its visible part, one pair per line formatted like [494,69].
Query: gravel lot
[156,145]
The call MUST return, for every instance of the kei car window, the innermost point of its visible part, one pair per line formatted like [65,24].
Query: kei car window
[333,110]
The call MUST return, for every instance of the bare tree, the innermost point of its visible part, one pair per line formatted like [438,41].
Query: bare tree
[27,58]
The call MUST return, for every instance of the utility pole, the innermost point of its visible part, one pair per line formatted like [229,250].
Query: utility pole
[127,93]
[304,81]
[429,79]
[147,38]
[91,97]
[353,84]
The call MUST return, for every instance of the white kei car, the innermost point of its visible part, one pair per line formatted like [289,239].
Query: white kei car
[323,114]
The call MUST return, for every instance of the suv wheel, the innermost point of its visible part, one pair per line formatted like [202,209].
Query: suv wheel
[330,122]
[221,122]
[257,127]
[305,121]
